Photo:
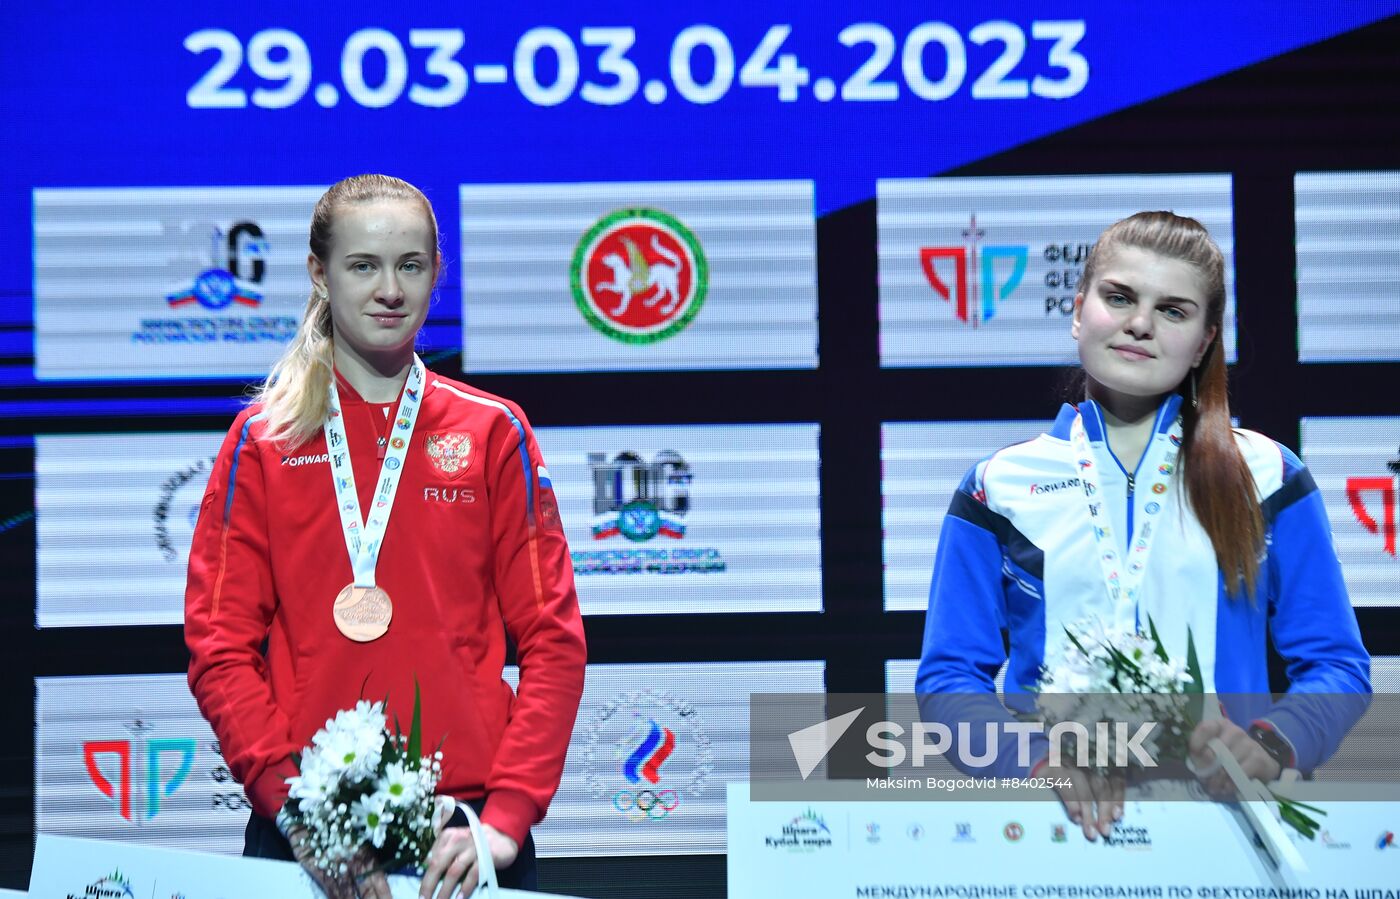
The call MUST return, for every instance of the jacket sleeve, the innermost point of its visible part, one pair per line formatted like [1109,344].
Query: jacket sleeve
[535,587]
[1312,623]
[229,604]
[963,647]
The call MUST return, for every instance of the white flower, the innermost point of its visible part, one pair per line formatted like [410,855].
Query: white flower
[353,741]
[313,786]
[372,815]
[349,792]
[401,786]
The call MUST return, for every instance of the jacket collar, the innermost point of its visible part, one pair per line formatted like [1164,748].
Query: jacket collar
[1094,422]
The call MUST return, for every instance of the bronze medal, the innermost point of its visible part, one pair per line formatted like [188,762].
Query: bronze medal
[363,613]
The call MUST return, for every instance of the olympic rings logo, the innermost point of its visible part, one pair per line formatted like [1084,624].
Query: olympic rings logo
[644,804]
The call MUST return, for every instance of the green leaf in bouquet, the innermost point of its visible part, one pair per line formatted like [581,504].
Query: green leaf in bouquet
[1075,641]
[1159,649]
[1193,665]
[1122,664]
[296,760]
[1195,708]
[415,730]
[1292,814]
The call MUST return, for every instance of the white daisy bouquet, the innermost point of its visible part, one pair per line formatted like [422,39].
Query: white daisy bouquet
[1129,678]
[1122,678]
[361,785]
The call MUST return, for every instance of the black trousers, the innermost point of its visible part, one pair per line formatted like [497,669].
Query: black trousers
[262,839]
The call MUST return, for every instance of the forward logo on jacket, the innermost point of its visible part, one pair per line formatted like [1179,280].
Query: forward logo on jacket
[450,452]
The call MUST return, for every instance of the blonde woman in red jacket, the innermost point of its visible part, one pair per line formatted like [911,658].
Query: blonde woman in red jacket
[369,526]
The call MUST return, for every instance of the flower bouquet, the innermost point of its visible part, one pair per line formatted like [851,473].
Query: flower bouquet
[361,785]
[1112,684]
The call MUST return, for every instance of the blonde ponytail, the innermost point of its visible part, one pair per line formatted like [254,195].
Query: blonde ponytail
[295,395]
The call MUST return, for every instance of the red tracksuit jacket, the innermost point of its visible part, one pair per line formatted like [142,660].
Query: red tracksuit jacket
[474,551]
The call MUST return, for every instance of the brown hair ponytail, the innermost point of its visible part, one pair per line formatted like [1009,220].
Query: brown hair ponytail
[1219,485]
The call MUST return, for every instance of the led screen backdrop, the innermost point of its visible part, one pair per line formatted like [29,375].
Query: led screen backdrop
[115,515]
[593,277]
[923,463]
[900,674]
[609,802]
[714,253]
[130,758]
[198,282]
[654,746]
[1356,463]
[983,271]
[1348,233]
[699,518]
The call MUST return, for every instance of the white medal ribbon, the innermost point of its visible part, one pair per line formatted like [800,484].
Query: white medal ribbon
[1123,581]
[364,537]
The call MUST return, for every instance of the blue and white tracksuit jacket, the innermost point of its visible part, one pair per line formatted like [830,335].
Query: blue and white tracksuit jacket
[1017,553]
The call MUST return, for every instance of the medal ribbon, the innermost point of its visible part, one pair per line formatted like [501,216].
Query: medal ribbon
[1124,581]
[364,537]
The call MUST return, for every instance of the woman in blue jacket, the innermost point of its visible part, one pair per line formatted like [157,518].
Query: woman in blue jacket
[1144,501]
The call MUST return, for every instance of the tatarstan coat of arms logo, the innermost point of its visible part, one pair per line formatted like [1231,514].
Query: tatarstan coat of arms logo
[450,453]
[639,275]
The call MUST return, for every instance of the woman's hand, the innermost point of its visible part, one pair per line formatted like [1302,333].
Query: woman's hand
[362,882]
[1256,762]
[1091,801]
[452,862]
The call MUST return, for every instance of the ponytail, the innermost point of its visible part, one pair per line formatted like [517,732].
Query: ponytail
[295,396]
[1220,488]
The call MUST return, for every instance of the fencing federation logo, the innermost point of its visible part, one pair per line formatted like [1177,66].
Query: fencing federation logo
[125,771]
[1386,490]
[639,275]
[236,264]
[640,500]
[646,754]
[973,270]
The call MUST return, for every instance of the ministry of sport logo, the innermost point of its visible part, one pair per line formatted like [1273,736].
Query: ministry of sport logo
[974,277]
[235,267]
[217,272]
[1386,489]
[637,499]
[646,754]
[639,275]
